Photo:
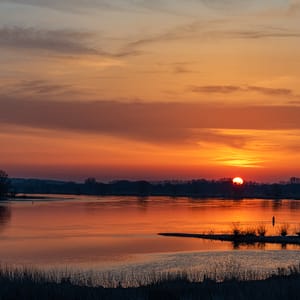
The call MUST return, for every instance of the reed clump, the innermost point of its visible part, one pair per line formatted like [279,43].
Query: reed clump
[297,230]
[283,229]
[249,231]
[261,230]
[236,229]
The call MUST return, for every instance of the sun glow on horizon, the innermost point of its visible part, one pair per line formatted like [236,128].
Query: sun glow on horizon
[238,181]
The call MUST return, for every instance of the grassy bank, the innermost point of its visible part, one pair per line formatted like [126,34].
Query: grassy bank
[242,239]
[30,284]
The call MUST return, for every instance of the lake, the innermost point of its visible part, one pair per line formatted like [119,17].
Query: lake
[119,234]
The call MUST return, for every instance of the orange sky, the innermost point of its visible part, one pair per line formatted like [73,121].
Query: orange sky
[150,89]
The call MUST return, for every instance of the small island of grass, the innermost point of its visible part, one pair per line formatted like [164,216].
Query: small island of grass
[248,236]
[241,238]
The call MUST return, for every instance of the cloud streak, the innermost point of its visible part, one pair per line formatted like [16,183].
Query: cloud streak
[168,6]
[73,5]
[149,122]
[216,89]
[64,42]
[61,41]
[38,88]
[79,6]
[214,29]
[72,42]
[229,89]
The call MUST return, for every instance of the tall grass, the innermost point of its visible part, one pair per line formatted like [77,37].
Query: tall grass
[24,283]
[249,231]
[236,229]
[219,272]
[297,230]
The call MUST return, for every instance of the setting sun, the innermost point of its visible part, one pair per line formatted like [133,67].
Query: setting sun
[238,181]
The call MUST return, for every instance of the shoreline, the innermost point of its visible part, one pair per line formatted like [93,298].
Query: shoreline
[243,239]
[40,196]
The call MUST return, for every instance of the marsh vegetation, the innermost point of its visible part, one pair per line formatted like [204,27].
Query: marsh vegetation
[17,283]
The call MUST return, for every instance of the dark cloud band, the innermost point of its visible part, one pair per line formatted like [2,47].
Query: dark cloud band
[152,122]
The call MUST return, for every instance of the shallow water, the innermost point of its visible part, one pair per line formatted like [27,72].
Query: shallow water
[120,233]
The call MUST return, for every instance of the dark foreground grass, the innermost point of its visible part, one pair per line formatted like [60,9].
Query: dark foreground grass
[18,284]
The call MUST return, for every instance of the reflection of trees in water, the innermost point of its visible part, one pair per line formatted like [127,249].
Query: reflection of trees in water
[143,202]
[294,204]
[118,202]
[236,245]
[283,246]
[276,204]
[5,215]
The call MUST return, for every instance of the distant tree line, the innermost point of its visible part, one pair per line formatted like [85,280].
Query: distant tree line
[199,188]
[4,184]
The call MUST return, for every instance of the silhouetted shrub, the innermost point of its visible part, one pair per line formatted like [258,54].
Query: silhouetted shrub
[236,229]
[249,232]
[261,230]
[283,230]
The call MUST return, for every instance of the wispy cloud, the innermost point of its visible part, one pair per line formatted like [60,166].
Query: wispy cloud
[64,42]
[72,42]
[212,89]
[214,29]
[175,7]
[270,91]
[225,4]
[228,89]
[177,33]
[294,8]
[258,33]
[91,6]
[38,88]
[183,68]
[67,5]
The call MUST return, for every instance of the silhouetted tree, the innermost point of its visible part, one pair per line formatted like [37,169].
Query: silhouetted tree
[90,181]
[4,184]
[143,187]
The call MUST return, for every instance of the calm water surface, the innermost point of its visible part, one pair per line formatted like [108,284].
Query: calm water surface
[120,233]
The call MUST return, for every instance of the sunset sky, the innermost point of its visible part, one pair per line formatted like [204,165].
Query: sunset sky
[150,89]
